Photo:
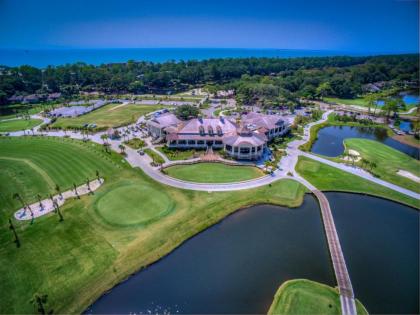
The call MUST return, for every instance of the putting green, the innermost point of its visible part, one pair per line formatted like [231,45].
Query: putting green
[133,205]
[213,173]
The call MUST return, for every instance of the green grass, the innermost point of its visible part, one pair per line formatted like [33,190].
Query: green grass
[154,156]
[176,154]
[154,205]
[18,124]
[347,101]
[216,113]
[98,245]
[388,161]
[135,143]
[308,297]
[45,162]
[213,172]
[328,178]
[107,116]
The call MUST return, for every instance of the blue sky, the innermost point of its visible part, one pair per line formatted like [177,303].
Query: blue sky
[339,25]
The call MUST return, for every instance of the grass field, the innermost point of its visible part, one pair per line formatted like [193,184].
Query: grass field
[18,124]
[45,162]
[328,178]
[308,297]
[213,172]
[388,161]
[112,115]
[347,101]
[130,222]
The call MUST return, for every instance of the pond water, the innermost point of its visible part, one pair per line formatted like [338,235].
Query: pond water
[380,241]
[330,140]
[405,125]
[237,265]
[409,99]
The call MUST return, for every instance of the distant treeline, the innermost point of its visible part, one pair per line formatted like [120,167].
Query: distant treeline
[339,76]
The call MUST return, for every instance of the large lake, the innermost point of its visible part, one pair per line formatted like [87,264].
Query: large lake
[237,265]
[330,140]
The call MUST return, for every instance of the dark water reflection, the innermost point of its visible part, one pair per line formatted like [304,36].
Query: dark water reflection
[235,266]
[380,240]
[330,140]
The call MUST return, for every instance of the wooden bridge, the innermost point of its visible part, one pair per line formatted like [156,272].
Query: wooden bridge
[348,305]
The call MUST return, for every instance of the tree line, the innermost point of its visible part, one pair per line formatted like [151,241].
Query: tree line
[272,78]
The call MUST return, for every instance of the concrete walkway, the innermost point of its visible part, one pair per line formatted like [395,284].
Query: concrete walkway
[362,173]
[46,206]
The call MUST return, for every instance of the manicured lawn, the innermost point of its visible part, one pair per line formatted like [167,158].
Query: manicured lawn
[329,178]
[107,116]
[155,157]
[99,243]
[135,143]
[213,172]
[33,165]
[176,155]
[388,161]
[308,297]
[347,101]
[18,124]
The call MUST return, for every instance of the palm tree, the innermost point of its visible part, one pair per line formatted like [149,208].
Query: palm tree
[364,162]
[371,100]
[104,137]
[373,165]
[353,158]
[11,227]
[88,185]
[122,148]
[97,176]
[39,301]
[58,190]
[391,105]
[17,196]
[38,196]
[57,210]
[75,191]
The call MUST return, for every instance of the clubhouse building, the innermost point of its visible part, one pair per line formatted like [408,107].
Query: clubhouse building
[244,139]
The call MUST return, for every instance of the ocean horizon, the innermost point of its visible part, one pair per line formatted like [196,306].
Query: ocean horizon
[54,57]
